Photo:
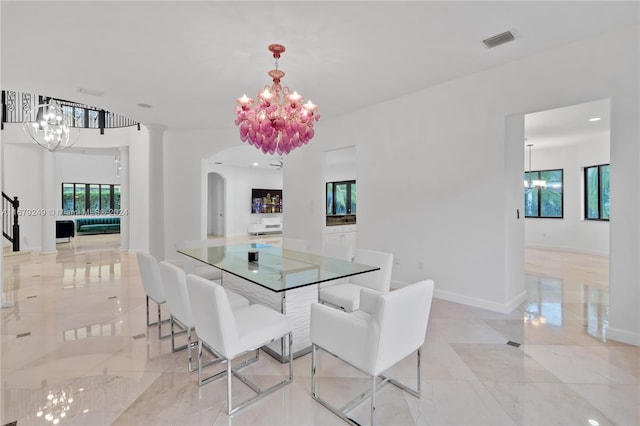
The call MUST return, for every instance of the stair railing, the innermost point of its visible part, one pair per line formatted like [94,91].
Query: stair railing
[11,229]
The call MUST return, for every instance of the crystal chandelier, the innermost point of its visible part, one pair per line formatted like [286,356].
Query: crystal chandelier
[48,127]
[279,121]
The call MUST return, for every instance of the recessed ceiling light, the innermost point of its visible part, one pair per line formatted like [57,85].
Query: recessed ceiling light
[255,164]
[595,119]
[144,106]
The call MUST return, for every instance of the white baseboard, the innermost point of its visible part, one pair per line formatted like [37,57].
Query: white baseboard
[503,308]
[624,336]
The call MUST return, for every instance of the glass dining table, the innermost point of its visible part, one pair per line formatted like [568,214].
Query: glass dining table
[285,280]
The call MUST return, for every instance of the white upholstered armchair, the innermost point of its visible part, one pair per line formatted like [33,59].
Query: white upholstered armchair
[387,328]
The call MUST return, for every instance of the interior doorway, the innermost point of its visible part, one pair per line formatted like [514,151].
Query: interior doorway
[215,204]
[559,145]
[566,251]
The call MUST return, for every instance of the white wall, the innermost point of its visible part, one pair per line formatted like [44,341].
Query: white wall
[445,169]
[340,164]
[23,179]
[572,232]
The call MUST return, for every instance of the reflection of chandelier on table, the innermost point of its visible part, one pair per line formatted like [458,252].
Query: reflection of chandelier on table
[56,406]
[279,121]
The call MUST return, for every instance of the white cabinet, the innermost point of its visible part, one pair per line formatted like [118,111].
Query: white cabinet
[341,234]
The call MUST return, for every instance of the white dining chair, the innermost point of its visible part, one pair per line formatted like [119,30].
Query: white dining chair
[192,266]
[295,244]
[174,281]
[338,251]
[387,328]
[152,283]
[346,296]
[230,334]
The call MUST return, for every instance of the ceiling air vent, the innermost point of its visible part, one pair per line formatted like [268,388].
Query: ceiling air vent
[499,39]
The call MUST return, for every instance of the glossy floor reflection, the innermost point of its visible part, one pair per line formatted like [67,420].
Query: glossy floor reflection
[75,350]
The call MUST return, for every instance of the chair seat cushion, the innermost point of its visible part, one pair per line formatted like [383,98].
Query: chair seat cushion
[158,300]
[235,300]
[208,272]
[345,296]
[258,325]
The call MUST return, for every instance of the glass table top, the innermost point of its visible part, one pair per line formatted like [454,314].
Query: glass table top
[276,269]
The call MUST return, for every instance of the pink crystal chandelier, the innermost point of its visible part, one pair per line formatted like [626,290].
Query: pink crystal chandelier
[278,121]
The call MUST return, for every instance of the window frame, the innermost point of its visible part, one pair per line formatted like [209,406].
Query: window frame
[585,194]
[539,192]
[348,185]
[81,207]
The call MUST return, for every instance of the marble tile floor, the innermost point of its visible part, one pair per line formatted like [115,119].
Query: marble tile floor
[75,350]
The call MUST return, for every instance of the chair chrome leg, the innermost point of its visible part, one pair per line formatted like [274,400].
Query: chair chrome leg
[199,362]
[373,400]
[160,336]
[229,397]
[419,388]
[415,392]
[376,385]
[173,335]
[290,357]
[189,344]
[148,324]
[159,323]
[313,370]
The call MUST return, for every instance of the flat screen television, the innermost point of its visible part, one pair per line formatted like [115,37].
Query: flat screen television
[266,200]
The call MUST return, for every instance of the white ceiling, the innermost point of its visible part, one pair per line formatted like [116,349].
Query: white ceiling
[569,125]
[191,60]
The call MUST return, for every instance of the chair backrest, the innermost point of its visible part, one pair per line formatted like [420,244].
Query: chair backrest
[191,264]
[174,282]
[209,242]
[295,244]
[151,279]
[212,315]
[378,280]
[338,251]
[401,318]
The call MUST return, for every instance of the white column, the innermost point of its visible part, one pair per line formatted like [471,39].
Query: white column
[124,198]
[156,191]
[48,239]
[3,301]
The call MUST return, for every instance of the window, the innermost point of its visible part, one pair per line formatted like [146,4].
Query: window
[90,198]
[596,192]
[341,202]
[545,200]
